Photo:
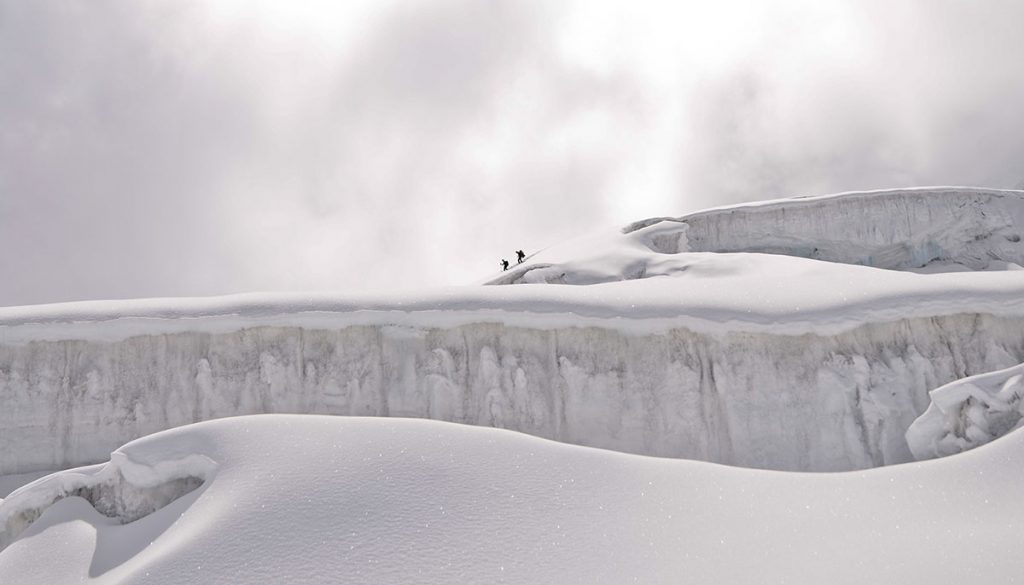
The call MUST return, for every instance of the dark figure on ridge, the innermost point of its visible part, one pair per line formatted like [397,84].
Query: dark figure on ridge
[504,265]
[521,255]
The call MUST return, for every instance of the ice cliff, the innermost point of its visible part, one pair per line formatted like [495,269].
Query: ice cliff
[927,229]
[968,413]
[123,490]
[779,360]
[903,229]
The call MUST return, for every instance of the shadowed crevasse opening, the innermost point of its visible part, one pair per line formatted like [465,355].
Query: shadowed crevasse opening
[108,491]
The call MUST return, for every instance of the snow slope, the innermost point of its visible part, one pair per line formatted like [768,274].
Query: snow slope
[760,360]
[301,499]
[795,383]
[926,229]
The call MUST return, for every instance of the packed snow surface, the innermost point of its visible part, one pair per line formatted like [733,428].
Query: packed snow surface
[307,499]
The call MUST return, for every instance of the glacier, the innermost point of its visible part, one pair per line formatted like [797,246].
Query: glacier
[898,229]
[706,338]
[805,402]
[921,229]
[968,413]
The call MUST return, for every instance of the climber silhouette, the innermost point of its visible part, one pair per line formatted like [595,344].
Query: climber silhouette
[521,255]
[504,265]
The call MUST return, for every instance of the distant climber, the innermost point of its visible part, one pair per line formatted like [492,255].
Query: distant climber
[521,255]
[504,265]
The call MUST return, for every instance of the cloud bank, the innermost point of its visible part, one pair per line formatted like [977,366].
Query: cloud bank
[166,148]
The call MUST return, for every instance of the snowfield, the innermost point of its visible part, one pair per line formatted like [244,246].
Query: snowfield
[314,499]
[845,333]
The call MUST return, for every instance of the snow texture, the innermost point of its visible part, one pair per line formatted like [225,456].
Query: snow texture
[783,402]
[759,360]
[926,229]
[969,412]
[305,499]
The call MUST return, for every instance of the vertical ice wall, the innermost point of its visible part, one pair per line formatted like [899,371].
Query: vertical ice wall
[968,413]
[753,399]
[901,229]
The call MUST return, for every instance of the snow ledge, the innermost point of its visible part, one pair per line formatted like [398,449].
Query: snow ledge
[968,413]
[123,490]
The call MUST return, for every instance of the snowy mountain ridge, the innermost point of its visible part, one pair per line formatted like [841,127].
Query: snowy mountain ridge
[741,336]
[741,357]
[923,229]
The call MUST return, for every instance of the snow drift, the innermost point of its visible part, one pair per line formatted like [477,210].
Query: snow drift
[760,360]
[305,499]
[900,229]
[969,412]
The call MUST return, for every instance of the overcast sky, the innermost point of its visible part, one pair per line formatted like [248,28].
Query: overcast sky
[184,148]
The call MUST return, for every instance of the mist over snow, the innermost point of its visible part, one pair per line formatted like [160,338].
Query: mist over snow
[767,327]
[168,148]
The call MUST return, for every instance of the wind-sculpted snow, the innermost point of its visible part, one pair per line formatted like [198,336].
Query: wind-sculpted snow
[312,500]
[121,490]
[927,229]
[968,413]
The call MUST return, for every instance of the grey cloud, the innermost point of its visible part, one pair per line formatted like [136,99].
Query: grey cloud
[110,147]
[147,151]
[934,102]
[394,143]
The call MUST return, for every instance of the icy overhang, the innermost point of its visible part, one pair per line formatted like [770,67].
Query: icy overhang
[924,230]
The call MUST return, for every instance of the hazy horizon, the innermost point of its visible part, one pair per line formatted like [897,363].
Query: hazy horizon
[188,148]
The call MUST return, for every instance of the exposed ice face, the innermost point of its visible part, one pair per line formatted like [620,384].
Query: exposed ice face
[749,359]
[927,229]
[122,490]
[807,402]
[968,413]
[309,500]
